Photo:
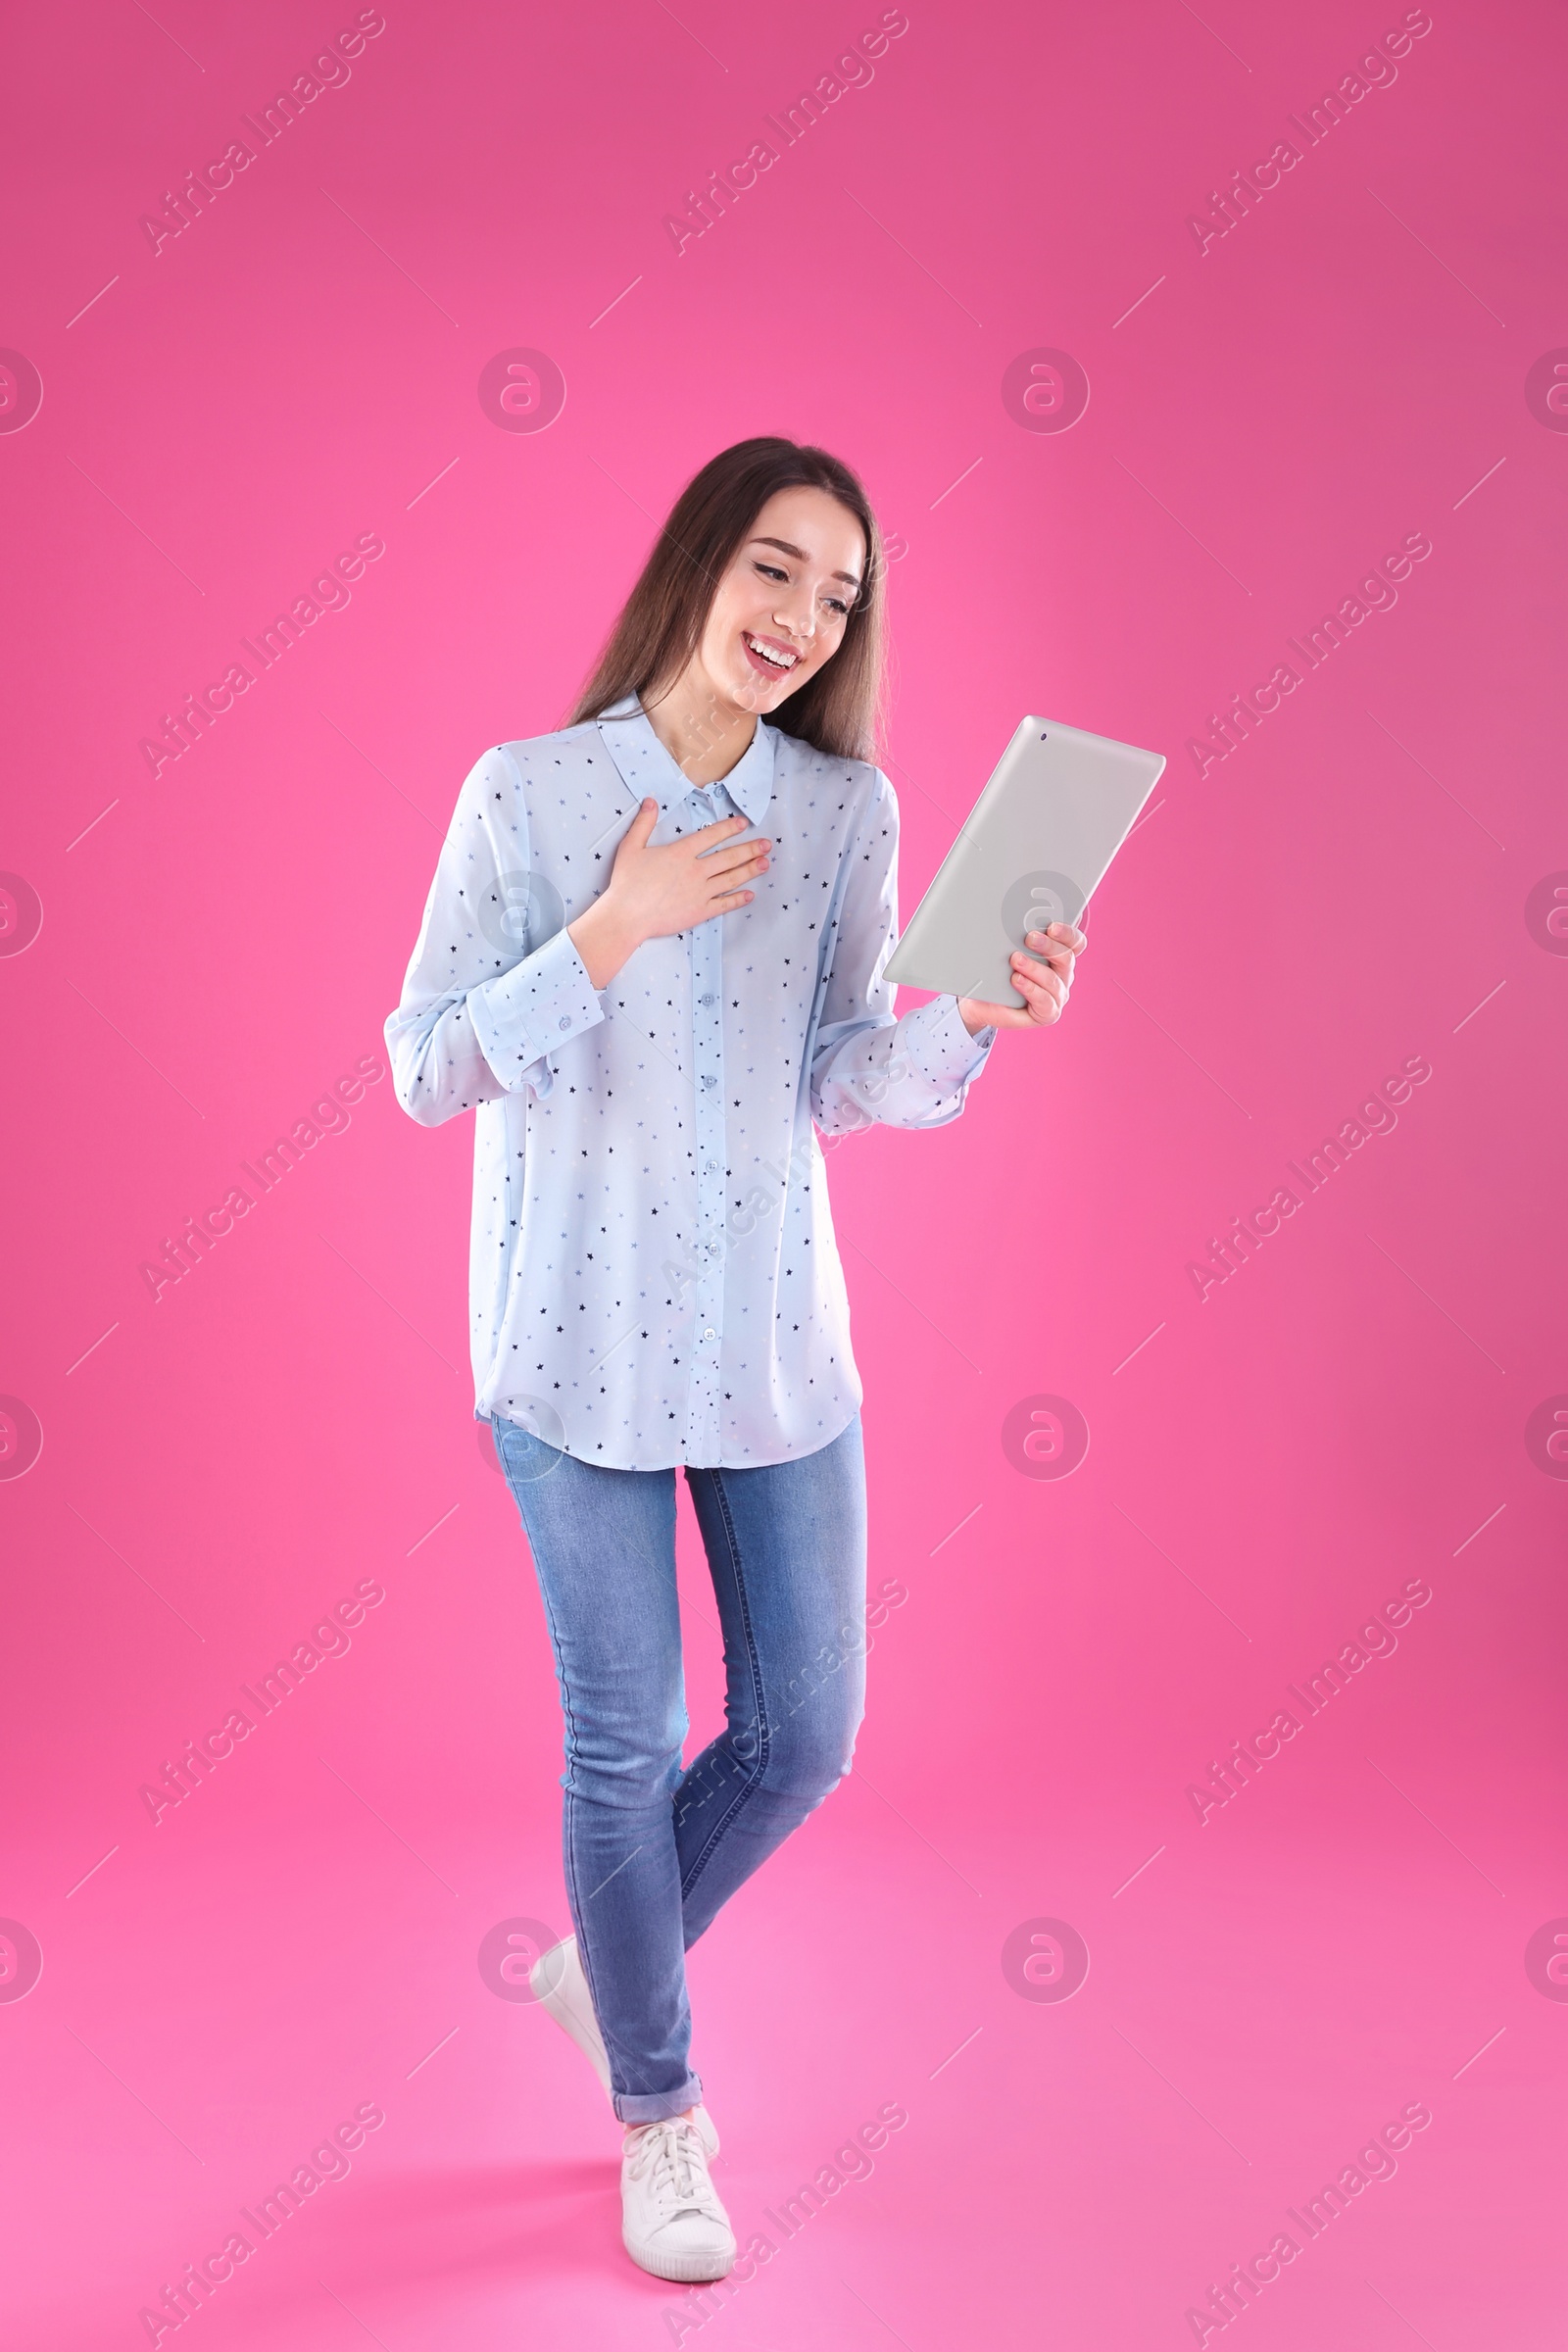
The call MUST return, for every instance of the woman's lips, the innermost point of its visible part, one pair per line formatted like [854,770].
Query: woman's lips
[760,662]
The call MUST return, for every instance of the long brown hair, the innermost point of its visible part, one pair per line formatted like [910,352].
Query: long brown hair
[661,624]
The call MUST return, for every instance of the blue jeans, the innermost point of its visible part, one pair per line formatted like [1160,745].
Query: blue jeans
[651,1850]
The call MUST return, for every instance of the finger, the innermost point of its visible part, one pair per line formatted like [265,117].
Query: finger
[719,861]
[743,853]
[1059,952]
[999,1016]
[646,817]
[1070,937]
[729,884]
[1045,995]
[723,828]
[731,900]
[1040,967]
[1041,1010]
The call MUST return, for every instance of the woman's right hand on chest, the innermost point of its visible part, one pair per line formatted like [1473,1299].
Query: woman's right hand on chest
[654,892]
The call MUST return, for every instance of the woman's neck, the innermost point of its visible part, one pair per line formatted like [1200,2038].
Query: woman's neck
[705,734]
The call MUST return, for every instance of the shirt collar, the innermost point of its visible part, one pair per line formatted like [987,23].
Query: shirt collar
[646,766]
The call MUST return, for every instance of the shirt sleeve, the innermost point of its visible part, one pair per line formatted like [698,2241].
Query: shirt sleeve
[908,1072]
[495,985]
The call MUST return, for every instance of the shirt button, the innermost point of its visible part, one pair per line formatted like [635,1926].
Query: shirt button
[707,999]
[710,1081]
[565,1021]
[710,1335]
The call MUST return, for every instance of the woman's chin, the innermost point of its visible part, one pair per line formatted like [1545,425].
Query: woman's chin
[771,692]
[756,695]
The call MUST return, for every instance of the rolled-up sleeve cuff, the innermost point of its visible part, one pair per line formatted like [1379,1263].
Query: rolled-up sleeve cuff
[941,1048]
[537,1007]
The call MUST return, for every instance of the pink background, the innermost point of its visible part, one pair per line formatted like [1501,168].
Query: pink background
[1268,417]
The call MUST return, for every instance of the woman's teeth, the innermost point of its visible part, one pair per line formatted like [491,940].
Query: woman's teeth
[778,660]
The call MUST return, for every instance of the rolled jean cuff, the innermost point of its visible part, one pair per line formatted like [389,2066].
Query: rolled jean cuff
[654,2106]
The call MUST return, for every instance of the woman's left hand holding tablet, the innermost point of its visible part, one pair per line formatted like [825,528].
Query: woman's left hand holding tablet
[1042,978]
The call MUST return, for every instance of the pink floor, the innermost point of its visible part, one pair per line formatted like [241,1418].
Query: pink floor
[1054,2039]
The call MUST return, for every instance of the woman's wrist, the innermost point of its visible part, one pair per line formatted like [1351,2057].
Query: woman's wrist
[604,940]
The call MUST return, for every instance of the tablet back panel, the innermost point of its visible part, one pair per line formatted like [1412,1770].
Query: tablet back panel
[1036,842]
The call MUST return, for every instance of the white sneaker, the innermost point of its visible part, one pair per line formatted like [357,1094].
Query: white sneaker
[559,1984]
[672,2223]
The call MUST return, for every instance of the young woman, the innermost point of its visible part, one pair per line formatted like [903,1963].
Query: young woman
[650,958]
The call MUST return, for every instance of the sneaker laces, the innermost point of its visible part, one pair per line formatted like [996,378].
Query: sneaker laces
[668,2156]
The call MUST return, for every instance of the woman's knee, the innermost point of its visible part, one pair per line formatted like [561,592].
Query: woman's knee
[625,1767]
[810,1745]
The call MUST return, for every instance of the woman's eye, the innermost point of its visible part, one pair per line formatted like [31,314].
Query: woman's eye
[772,571]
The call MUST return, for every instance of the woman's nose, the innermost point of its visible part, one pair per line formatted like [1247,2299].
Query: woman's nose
[795,621]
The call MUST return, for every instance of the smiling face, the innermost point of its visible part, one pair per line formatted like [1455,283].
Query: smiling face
[781,609]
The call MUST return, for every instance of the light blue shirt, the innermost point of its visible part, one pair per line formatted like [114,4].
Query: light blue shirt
[653,1273]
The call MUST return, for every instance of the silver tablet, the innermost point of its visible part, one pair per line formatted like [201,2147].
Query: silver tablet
[1057,807]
